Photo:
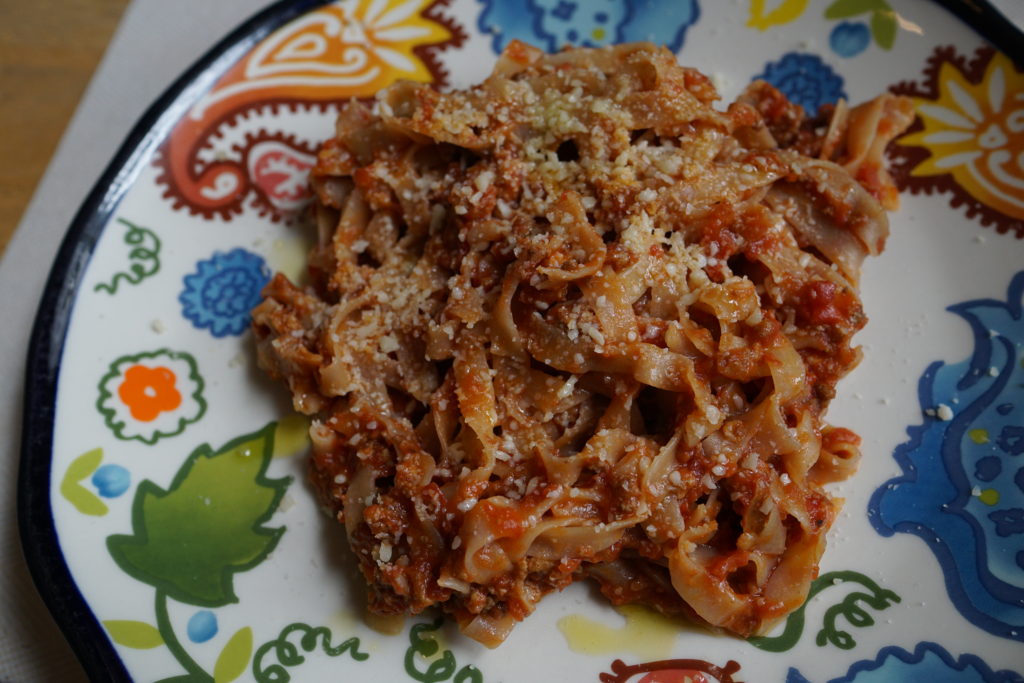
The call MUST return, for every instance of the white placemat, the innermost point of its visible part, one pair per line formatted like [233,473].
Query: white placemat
[154,44]
[1011,9]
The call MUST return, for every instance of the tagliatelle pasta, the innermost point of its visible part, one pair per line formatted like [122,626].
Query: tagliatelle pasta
[576,322]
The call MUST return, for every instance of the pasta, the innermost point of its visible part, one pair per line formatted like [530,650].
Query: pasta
[575,322]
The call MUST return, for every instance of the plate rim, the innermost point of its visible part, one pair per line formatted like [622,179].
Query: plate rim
[36,527]
[40,545]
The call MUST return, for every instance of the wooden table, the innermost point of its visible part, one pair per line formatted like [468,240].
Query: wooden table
[48,51]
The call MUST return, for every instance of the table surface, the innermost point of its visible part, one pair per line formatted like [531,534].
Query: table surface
[45,66]
[48,48]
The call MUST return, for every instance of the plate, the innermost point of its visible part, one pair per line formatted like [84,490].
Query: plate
[163,503]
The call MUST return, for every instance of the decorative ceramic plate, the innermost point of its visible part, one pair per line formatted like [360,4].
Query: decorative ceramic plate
[164,507]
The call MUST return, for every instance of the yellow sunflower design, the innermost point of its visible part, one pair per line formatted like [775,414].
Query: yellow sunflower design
[969,136]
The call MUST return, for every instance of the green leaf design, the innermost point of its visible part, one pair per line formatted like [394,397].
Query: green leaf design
[134,634]
[190,540]
[843,9]
[426,647]
[84,500]
[439,668]
[469,674]
[196,673]
[878,598]
[883,28]
[273,658]
[144,257]
[234,658]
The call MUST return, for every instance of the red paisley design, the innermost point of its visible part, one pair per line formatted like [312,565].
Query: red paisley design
[347,48]
[672,671]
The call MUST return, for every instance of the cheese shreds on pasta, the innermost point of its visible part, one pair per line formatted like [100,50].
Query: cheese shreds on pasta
[576,322]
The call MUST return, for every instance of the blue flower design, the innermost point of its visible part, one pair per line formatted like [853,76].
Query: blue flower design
[928,662]
[553,24]
[202,626]
[962,487]
[804,79]
[222,291]
[849,39]
[111,480]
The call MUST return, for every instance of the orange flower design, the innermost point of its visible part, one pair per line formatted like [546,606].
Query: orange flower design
[151,395]
[149,391]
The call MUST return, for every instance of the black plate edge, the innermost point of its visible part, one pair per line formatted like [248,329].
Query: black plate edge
[36,527]
[990,24]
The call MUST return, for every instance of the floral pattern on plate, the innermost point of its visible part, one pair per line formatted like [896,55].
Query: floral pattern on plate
[805,79]
[223,289]
[962,489]
[151,395]
[216,507]
[969,135]
[553,24]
